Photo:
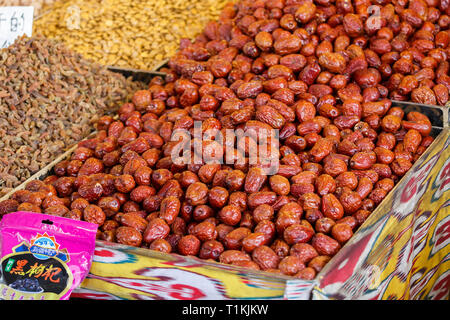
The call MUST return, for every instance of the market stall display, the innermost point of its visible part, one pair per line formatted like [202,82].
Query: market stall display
[49,99]
[136,34]
[327,78]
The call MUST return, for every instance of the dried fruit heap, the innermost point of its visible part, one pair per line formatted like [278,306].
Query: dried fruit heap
[49,99]
[136,34]
[318,73]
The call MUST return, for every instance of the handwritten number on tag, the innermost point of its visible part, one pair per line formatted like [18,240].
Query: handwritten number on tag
[14,22]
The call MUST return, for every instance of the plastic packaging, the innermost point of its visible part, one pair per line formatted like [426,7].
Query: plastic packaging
[43,257]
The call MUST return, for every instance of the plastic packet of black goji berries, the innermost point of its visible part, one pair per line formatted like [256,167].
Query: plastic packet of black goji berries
[43,257]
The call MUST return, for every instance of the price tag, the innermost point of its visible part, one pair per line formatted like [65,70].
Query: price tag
[15,22]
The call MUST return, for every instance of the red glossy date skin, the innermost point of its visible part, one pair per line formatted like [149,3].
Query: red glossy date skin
[332,207]
[189,245]
[265,257]
[211,249]
[156,229]
[325,245]
[134,221]
[128,236]
[169,209]
[291,265]
[233,240]
[161,245]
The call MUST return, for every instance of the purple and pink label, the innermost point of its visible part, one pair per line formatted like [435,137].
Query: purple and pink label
[42,256]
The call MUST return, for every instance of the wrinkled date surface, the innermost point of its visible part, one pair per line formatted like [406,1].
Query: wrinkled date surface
[322,73]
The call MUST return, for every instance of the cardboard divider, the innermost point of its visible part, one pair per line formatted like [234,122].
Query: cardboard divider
[140,75]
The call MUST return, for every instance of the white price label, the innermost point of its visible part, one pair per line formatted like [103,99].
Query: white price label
[15,22]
